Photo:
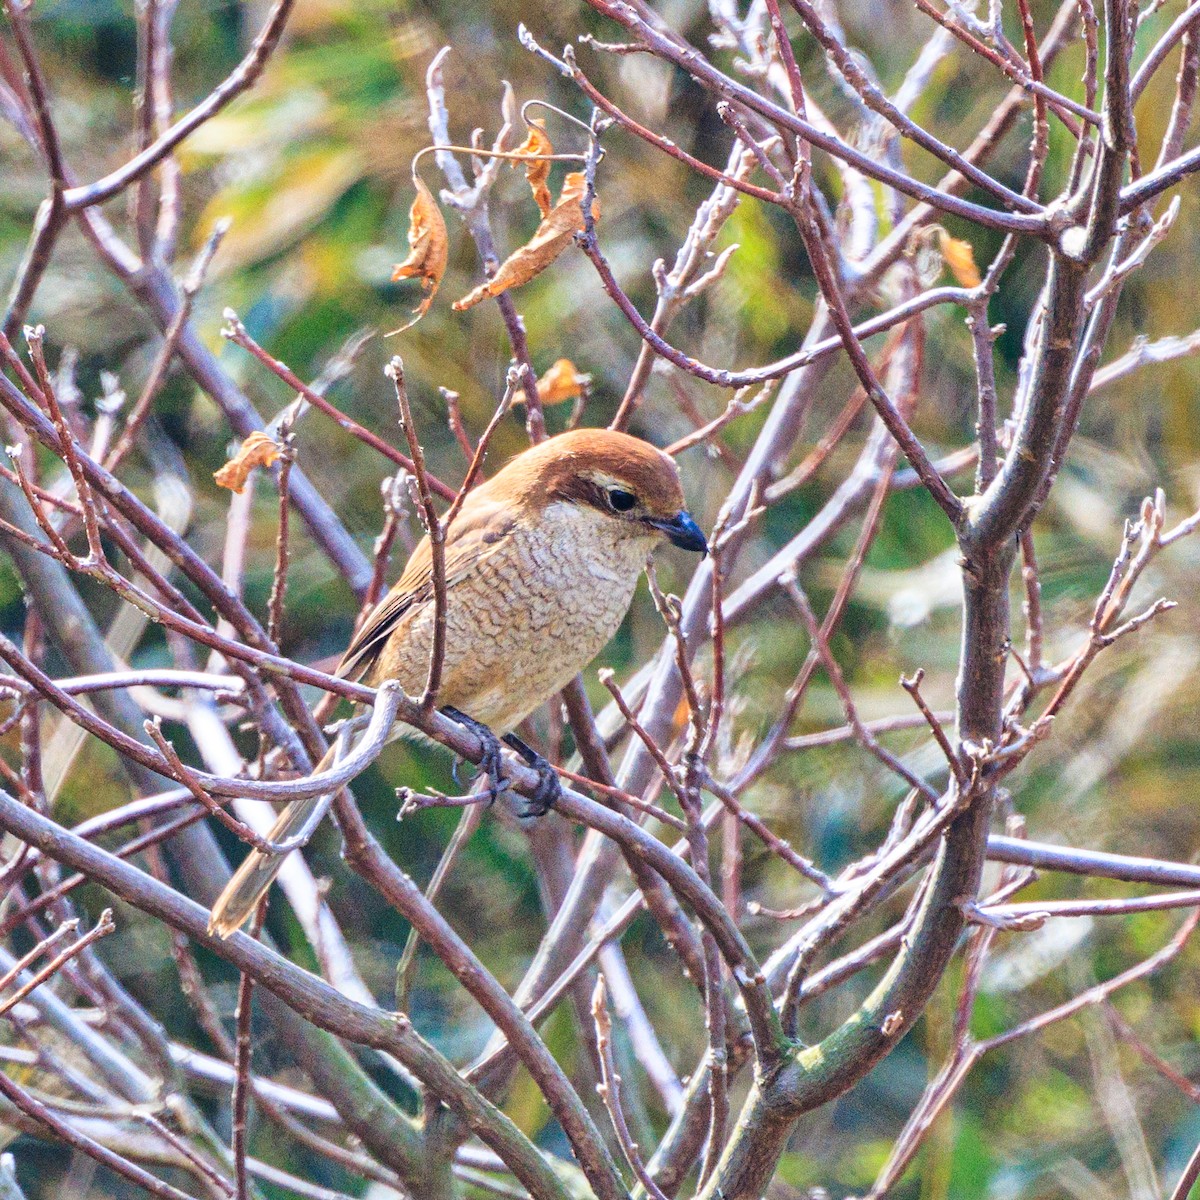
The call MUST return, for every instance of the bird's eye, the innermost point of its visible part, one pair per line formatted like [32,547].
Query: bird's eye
[621,501]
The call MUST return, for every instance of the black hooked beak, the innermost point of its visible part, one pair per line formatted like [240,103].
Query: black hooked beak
[683,532]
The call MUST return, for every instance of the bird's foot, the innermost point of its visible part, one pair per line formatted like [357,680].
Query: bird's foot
[491,762]
[549,789]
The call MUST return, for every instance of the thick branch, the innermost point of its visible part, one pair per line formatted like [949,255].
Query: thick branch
[304,993]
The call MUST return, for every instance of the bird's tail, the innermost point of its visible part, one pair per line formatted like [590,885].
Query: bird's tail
[256,874]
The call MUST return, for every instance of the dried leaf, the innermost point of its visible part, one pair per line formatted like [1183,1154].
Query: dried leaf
[960,258]
[562,382]
[552,237]
[429,250]
[537,171]
[258,450]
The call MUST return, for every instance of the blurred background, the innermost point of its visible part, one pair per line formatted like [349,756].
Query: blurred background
[312,168]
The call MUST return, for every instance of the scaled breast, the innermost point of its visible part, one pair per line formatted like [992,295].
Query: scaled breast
[531,615]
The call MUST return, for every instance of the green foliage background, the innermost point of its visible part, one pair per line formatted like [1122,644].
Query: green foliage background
[312,167]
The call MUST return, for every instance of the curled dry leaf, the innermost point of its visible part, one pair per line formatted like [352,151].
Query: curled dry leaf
[537,170]
[562,382]
[552,237]
[258,450]
[959,256]
[429,250]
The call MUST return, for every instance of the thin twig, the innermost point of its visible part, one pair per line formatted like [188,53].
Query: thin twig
[141,409]
[243,1050]
[102,928]
[235,332]
[610,1093]
[282,549]
[435,531]
[242,77]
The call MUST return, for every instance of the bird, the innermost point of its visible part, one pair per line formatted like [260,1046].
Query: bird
[541,564]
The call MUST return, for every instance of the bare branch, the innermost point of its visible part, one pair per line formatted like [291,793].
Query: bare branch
[242,77]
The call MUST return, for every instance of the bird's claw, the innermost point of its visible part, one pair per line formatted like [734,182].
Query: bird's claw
[491,761]
[549,789]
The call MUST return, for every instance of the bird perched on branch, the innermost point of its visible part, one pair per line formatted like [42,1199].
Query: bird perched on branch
[541,563]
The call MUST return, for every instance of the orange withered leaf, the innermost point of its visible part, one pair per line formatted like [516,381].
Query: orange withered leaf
[429,250]
[552,237]
[959,256]
[537,170]
[258,450]
[562,382]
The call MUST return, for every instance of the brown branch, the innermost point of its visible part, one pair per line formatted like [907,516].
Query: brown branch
[913,688]
[102,928]
[279,577]
[188,778]
[35,84]
[235,332]
[242,77]
[472,203]
[1030,221]
[897,426]
[1188,1177]
[243,1051]
[878,103]
[792,588]
[46,1118]
[192,283]
[435,531]
[1019,73]
[304,993]
[609,1089]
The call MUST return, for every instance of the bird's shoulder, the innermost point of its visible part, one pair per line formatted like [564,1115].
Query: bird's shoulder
[481,529]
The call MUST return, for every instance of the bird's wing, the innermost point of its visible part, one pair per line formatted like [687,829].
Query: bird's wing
[479,529]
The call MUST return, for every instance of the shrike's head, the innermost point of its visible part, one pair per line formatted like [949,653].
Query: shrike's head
[625,479]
